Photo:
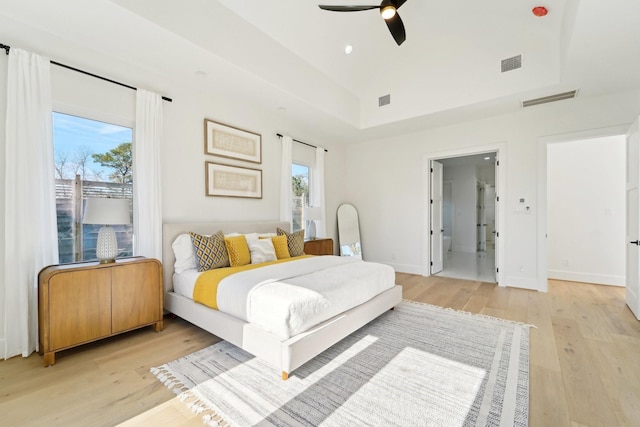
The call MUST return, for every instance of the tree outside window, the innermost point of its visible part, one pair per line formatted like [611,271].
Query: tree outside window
[300,190]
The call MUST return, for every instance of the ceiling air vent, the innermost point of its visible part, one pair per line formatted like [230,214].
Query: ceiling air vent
[384,100]
[550,98]
[512,63]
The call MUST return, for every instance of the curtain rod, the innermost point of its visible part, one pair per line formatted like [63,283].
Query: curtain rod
[300,142]
[7,48]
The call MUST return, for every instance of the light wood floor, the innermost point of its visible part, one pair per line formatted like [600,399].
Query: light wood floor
[584,362]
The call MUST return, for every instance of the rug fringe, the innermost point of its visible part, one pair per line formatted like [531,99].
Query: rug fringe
[197,405]
[168,380]
[486,316]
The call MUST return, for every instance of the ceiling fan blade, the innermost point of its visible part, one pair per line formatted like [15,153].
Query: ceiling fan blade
[398,3]
[347,8]
[397,29]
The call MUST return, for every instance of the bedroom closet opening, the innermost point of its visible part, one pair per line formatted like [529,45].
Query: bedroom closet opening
[586,233]
[463,217]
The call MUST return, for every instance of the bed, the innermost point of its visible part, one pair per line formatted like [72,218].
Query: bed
[285,354]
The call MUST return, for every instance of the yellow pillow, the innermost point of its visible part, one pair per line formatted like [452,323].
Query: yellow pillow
[281,247]
[238,249]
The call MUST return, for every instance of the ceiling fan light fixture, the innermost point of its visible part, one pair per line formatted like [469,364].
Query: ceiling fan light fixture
[388,11]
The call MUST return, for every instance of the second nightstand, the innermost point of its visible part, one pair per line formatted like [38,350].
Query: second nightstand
[322,246]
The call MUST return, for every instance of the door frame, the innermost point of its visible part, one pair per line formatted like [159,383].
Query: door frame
[542,255]
[501,183]
[436,232]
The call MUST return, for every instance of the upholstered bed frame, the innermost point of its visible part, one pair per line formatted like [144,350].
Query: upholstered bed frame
[284,355]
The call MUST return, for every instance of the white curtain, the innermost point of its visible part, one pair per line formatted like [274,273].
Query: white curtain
[147,188]
[317,191]
[285,180]
[30,227]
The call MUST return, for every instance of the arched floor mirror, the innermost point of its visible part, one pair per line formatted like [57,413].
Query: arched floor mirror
[349,231]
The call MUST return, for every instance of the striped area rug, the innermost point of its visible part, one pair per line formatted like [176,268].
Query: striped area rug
[418,365]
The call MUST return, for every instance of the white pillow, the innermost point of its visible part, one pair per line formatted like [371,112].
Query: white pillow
[185,254]
[251,237]
[262,251]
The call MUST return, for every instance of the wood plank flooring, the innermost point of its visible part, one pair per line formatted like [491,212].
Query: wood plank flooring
[584,361]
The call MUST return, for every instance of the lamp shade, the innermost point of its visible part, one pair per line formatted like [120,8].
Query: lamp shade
[102,210]
[313,213]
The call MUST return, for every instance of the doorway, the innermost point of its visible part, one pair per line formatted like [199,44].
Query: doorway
[586,210]
[463,217]
[542,222]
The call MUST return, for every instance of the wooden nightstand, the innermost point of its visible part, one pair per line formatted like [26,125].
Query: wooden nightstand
[323,246]
[83,302]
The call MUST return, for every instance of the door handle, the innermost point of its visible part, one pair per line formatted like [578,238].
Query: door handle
[636,242]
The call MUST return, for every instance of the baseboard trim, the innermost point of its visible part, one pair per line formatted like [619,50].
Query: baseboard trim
[404,268]
[522,282]
[598,279]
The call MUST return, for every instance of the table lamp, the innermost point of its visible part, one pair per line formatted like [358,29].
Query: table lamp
[106,211]
[311,214]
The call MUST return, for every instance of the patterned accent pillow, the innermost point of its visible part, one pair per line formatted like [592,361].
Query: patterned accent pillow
[211,251]
[281,247]
[295,241]
[238,250]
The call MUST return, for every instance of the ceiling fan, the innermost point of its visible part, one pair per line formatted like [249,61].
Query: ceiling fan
[388,10]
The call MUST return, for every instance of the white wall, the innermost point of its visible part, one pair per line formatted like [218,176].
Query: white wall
[393,218]
[463,181]
[586,210]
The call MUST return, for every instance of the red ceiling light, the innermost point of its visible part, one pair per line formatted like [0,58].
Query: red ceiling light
[540,11]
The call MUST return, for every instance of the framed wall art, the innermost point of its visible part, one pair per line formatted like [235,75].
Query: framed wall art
[227,141]
[232,181]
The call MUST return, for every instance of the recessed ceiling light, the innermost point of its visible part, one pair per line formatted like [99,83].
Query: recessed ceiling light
[487,158]
[348,49]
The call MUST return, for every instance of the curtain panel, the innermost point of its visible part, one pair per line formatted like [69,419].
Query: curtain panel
[147,179]
[286,191]
[317,191]
[30,225]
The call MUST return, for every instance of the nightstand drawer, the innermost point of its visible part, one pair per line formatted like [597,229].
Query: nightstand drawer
[319,247]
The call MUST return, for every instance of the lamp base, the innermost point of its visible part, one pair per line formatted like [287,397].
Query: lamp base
[312,230]
[107,245]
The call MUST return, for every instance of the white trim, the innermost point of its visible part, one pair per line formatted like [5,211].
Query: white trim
[542,188]
[522,282]
[404,268]
[598,279]
[501,149]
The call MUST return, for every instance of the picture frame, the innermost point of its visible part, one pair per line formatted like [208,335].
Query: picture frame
[232,181]
[230,142]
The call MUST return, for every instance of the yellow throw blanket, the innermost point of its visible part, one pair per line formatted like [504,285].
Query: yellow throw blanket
[206,287]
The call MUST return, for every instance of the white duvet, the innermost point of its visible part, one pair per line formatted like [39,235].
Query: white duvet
[291,297]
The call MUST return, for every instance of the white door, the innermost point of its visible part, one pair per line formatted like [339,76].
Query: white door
[633,220]
[436,217]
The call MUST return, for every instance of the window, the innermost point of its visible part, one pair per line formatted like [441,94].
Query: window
[92,159]
[300,187]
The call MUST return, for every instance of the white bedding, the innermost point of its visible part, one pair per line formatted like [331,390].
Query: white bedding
[291,297]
